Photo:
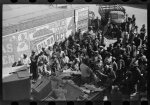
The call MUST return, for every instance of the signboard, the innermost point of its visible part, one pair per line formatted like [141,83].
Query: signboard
[61,31]
[81,17]
[50,41]
[83,25]
[46,29]
[14,46]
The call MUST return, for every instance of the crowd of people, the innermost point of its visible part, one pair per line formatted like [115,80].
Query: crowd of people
[122,64]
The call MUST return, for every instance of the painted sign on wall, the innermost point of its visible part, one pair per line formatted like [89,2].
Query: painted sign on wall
[63,28]
[14,46]
[81,17]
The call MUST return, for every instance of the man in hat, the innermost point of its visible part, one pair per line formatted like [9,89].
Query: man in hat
[111,76]
[56,63]
[121,63]
[138,41]
[97,56]
[64,60]
[136,74]
[50,51]
[125,38]
[42,64]
[133,50]
[119,33]
[127,48]
[108,59]
[114,64]
[119,41]
[117,50]
[121,66]
[25,60]
[78,49]
[110,48]
[33,66]
[133,19]
[142,32]
[44,51]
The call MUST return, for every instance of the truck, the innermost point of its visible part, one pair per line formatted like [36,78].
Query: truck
[113,13]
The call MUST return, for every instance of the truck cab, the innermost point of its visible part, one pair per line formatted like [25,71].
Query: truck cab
[111,13]
[116,17]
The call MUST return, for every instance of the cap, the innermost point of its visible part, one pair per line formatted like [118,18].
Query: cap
[135,64]
[54,56]
[120,56]
[113,58]
[133,42]
[77,45]
[77,59]
[96,52]
[118,45]
[115,88]
[33,51]
[101,47]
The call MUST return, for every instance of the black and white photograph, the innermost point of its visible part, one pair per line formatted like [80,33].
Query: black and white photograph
[74,52]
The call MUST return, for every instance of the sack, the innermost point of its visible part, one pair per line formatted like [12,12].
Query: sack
[41,88]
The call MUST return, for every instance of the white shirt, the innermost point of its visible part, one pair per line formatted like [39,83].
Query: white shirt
[26,61]
[65,59]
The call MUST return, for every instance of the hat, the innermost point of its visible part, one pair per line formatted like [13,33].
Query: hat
[135,64]
[144,45]
[115,88]
[118,45]
[101,47]
[33,51]
[120,56]
[133,42]
[77,45]
[54,56]
[43,48]
[143,25]
[126,32]
[77,59]
[113,58]
[96,52]
[107,66]
[136,27]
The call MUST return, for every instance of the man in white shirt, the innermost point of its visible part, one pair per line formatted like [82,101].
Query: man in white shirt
[26,60]
[64,60]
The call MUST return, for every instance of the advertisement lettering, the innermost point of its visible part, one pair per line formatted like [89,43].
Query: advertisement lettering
[13,46]
[8,59]
[80,16]
[59,35]
[8,48]
[50,41]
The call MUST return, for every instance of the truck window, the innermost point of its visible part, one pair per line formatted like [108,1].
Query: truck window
[114,16]
[120,16]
